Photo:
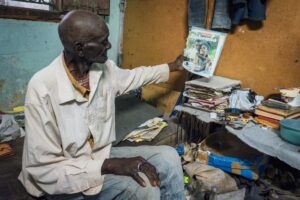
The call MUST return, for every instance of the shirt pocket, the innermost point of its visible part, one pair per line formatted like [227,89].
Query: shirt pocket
[104,107]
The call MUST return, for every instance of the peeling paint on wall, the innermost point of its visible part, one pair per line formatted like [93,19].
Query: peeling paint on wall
[2,82]
[28,46]
[23,52]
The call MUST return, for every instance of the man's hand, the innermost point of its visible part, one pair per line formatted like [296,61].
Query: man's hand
[131,167]
[177,64]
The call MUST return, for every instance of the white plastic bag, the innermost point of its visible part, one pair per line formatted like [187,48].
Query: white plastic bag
[9,129]
[244,99]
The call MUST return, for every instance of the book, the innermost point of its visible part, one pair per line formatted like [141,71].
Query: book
[272,103]
[203,50]
[273,121]
[275,116]
[281,112]
[267,122]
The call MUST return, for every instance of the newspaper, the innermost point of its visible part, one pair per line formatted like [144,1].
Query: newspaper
[203,50]
[147,131]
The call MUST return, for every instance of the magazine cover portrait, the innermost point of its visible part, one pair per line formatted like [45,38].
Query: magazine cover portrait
[203,50]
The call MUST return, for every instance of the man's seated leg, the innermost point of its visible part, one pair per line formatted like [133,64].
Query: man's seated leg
[115,187]
[167,163]
[124,187]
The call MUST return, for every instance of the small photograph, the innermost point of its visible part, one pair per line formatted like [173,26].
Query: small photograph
[203,50]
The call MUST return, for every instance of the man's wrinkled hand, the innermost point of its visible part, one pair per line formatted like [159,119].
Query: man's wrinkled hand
[176,65]
[131,167]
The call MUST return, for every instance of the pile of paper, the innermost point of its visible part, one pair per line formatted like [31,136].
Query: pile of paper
[274,109]
[209,94]
[9,128]
[147,131]
[292,96]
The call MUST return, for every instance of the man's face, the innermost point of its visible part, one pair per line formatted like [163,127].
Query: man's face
[95,49]
[203,50]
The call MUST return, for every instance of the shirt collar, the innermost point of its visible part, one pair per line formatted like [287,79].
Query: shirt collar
[66,91]
[82,90]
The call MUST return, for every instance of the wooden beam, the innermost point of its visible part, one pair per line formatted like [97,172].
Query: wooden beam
[102,8]
[29,14]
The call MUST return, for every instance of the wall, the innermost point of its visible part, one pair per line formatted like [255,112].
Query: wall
[27,46]
[263,58]
[155,33]
[113,22]
[269,57]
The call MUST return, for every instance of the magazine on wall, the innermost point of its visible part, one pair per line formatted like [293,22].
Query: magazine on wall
[203,50]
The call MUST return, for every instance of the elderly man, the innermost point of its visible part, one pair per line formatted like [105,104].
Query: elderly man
[70,124]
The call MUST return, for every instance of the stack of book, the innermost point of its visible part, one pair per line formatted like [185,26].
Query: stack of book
[209,93]
[270,112]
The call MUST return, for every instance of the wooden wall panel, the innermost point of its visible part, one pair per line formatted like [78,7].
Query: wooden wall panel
[263,58]
[154,33]
[269,57]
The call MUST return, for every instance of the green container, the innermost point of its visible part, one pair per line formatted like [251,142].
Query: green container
[290,130]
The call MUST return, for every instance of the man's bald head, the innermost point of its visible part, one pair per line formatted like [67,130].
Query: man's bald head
[79,26]
[84,36]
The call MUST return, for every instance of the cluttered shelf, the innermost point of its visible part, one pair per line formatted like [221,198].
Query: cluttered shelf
[220,101]
[268,141]
[265,140]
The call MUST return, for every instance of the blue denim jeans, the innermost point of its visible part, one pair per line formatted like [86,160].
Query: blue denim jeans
[241,9]
[221,17]
[248,9]
[197,13]
[167,163]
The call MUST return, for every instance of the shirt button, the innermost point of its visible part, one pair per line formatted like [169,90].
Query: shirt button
[92,156]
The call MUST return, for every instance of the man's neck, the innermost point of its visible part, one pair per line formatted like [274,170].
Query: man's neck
[77,66]
[80,78]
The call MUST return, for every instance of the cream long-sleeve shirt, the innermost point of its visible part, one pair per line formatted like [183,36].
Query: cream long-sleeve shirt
[57,157]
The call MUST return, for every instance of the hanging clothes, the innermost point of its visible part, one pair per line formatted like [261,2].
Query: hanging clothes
[225,12]
[248,9]
[221,18]
[197,13]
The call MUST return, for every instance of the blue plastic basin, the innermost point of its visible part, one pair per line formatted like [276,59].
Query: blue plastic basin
[290,130]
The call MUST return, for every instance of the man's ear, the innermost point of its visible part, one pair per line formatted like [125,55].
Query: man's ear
[78,47]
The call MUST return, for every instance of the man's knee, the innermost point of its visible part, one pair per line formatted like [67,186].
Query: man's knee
[148,193]
[167,163]
[124,187]
[170,170]
[169,156]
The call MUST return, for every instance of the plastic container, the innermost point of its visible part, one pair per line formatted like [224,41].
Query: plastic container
[290,130]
